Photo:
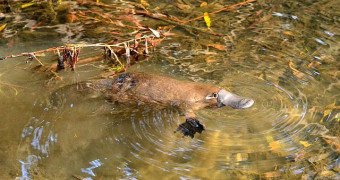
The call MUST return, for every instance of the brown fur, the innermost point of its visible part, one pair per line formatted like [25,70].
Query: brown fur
[154,89]
[151,88]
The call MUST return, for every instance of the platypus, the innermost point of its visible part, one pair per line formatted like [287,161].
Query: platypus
[165,91]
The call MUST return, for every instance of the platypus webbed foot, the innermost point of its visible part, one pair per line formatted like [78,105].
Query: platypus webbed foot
[226,98]
[190,127]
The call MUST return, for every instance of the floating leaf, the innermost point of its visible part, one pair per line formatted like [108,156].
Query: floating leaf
[304,143]
[203,4]
[2,27]
[27,5]
[207,19]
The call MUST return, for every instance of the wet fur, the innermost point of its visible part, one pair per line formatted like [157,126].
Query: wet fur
[155,89]
[151,88]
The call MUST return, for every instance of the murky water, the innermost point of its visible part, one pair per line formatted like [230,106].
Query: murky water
[284,55]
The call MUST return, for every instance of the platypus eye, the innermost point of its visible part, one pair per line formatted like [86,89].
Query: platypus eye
[211,96]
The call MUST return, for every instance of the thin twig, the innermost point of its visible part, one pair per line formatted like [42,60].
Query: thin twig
[11,85]
[113,52]
[35,57]
[121,44]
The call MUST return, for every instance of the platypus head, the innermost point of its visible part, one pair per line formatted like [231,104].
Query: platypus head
[225,98]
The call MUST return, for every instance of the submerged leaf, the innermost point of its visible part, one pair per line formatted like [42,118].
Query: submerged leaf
[207,19]
[182,6]
[304,143]
[274,145]
[296,72]
[325,114]
[272,174]
[15,91]
[217,46]
[2,27]
[270,139]
[203,4]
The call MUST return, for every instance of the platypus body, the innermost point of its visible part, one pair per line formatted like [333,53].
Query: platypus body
[151,88]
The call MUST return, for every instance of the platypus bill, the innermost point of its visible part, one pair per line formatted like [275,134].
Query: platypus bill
[188,96]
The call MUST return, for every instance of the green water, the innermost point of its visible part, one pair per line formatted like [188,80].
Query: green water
[284,55]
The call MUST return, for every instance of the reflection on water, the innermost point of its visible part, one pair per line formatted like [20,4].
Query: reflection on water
[284,55]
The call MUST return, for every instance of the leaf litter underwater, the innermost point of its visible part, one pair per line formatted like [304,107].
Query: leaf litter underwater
[282,54]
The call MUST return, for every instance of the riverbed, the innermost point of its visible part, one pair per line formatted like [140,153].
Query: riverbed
[284,55]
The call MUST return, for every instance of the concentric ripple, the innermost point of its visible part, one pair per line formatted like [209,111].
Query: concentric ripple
[281,54]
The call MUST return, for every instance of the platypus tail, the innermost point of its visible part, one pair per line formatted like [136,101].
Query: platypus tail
[226,98]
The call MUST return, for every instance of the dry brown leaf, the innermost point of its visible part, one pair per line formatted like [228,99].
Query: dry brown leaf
[169,34]
[138,35]
[115,33]
[217,46]
[119,23]
[70,18]
[259,12]
[35,26]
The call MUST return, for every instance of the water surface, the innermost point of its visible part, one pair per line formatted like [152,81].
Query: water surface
[284,55]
